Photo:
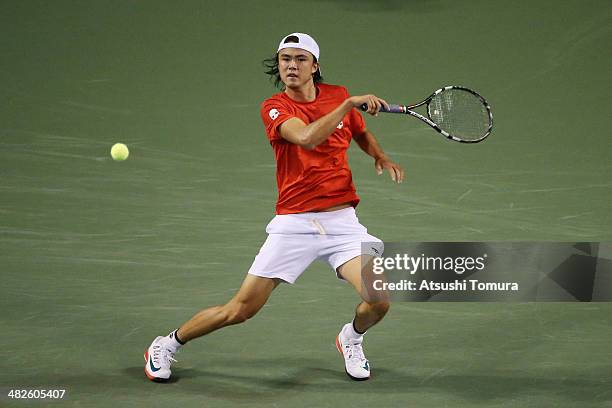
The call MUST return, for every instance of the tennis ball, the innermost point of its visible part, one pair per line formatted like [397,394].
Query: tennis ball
[119,152]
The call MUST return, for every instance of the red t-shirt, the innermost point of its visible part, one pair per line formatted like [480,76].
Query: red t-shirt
[310,180]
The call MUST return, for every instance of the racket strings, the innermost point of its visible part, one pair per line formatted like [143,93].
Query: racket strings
[460,113]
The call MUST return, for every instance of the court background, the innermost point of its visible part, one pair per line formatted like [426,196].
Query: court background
[98,257]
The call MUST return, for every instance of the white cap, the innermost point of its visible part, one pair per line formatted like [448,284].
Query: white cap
[305,42]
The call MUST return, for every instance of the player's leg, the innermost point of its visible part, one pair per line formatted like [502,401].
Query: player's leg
[375,304]
[282,258]
[345,247]
[370,311]
[249,299]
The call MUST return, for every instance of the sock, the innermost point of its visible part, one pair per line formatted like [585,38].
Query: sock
[355,329]
[174,341]
[175,333]
[351,333]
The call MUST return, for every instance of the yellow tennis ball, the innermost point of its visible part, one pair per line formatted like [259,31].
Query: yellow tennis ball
[119,152]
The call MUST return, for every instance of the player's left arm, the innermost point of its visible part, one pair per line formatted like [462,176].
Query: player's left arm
[368,143]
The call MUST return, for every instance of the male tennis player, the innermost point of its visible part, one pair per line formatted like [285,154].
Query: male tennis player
[310,126]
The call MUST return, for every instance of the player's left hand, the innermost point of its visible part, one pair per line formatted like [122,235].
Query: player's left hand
[395,170]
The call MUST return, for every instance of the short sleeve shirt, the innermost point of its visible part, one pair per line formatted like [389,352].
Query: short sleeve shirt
[311,180]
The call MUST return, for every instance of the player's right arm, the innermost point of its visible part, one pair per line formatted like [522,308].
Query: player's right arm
[310,136]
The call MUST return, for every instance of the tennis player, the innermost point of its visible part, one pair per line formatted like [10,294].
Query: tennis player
[310,126]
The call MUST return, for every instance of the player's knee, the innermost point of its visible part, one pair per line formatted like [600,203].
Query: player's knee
[241,312]
[380,308]
[237,315]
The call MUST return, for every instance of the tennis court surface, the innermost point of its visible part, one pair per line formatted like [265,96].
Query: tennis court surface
[99,257]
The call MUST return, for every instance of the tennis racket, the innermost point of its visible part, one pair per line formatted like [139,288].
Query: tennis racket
[456,112]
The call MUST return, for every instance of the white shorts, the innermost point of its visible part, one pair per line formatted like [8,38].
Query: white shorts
[296,240]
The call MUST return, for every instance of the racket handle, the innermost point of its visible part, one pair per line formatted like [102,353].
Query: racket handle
[393,108]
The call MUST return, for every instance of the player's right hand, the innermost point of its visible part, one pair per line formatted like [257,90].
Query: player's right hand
[374,103]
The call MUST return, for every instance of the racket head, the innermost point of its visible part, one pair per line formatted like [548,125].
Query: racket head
[460,114]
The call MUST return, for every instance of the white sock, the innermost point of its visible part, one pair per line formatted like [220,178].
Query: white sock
[349,331]
[172,342]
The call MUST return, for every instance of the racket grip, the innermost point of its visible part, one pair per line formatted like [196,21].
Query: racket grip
[393,108]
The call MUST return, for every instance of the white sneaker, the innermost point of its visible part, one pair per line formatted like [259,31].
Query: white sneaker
[356,365]
[158,359]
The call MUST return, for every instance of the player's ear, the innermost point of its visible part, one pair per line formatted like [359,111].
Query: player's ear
[315,67]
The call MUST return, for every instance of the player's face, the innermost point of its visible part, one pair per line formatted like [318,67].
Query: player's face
[296,67]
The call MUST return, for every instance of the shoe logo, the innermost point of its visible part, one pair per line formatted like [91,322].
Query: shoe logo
[375,251]
[366,365]
[153,368]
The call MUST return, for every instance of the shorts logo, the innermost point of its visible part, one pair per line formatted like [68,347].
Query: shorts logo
[273,113]
[340,125]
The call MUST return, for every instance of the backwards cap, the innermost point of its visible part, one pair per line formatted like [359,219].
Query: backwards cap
[305,42]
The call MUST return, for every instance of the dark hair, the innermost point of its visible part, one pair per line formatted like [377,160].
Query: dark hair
[271,65]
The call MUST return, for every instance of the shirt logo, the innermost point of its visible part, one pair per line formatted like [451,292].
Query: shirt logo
[340,125]
[273,113]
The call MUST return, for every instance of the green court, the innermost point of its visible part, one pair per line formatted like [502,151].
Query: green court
[99,257]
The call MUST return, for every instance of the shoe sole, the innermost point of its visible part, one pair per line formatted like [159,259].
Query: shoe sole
[149,376]
[339,347]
